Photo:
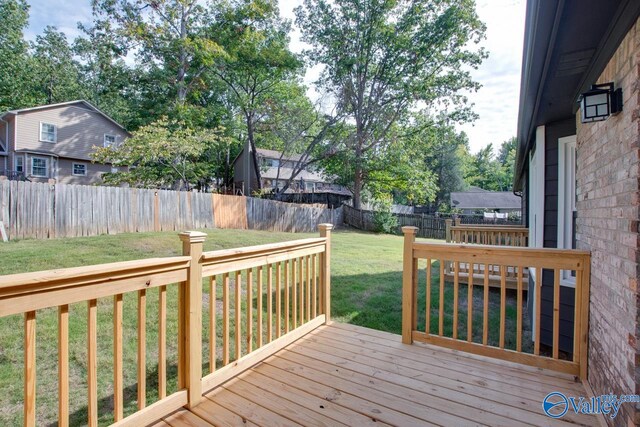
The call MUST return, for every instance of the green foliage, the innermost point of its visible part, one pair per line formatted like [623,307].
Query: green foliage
[383,218]
[383,58]
[14,58]
[489,172]
[164,154]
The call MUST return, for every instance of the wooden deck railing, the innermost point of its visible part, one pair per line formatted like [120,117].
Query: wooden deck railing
[459,316]
[497,235]
[297,269]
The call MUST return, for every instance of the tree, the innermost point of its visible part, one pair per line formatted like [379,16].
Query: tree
[384,58]
[15,91]
[108,82]
[257,59]
[444,155]
[164,154]
[56,73]
[167,36]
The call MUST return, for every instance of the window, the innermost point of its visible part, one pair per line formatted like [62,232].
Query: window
[567,199]
[20,164]
[109,140]
[48,132]
[79,169]
[39,166]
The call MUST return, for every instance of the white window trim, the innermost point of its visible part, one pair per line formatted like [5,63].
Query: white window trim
[566,202]
[55,133]
[73,166]
[104,140]
[46,166]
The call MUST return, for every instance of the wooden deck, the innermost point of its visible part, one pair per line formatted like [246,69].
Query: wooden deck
[348,375]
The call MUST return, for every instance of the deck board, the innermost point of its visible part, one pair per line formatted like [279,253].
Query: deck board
[348,375]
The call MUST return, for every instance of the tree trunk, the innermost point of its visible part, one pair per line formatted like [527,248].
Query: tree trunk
[254,154]
[357,188]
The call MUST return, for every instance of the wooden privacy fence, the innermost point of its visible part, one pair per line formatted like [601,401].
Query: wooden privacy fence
[42,210]
[286,286]
[428,226]
[278,216]
[460,332]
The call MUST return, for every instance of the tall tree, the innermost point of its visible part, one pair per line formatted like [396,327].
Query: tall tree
[384,58]
[167,38]
[56,73]
[257,59]
[14,59]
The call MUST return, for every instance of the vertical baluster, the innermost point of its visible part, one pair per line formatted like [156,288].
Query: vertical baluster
[269,302]
[225,319]
[30,368]
[456,273]
[470,305]
[238,315]
[249,308]
[294,293]
[213,336]
[441,300]
[577,327]
[63,365]
[308,289]
[556,312]
[301,295]
[142,353]
[427,324]
[536,312]
[503,302]
[286,296]
[259,308]
[314,274]
[162,342]
[118,385]
[519,309]
[92,362]
[278,300]
[485,311]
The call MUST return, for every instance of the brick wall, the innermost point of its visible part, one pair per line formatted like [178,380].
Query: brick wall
[608,212]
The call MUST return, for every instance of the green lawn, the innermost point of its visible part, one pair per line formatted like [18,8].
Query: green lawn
[366,291]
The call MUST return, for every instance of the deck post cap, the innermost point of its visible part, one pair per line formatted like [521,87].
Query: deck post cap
[409,229]
[325,226]
[192,236]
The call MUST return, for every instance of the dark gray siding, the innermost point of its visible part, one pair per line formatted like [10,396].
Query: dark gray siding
[554,131]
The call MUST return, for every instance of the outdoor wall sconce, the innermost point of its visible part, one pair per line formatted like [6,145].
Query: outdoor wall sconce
[600,102]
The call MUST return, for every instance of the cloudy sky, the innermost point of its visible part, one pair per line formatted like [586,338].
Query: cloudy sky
[496,102]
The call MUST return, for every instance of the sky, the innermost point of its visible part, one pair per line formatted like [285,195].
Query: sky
[496,102]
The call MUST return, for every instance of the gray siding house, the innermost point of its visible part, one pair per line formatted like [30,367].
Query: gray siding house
[56,142]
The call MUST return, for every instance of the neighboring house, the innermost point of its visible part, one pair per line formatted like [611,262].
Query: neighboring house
[477,199]
[275,169]
[56,142]
[580,182]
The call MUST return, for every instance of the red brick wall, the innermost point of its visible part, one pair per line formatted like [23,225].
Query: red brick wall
[608,198]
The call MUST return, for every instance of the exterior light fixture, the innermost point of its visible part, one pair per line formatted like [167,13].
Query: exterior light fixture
[600,102]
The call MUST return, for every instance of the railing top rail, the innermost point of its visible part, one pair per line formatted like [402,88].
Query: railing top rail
[28,282]
[251,251]
[490,227]
[569,259]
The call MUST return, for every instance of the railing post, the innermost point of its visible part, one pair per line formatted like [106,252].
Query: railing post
[458,221]
[325,271]
[190,319]
[408,284]
[447,233]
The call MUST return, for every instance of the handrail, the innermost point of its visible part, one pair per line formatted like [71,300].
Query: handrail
[306,274]
[480,263]
[499,235]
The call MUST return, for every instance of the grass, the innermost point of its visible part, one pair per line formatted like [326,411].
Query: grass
[366,291]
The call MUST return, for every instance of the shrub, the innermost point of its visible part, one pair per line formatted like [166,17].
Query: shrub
[384,220]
